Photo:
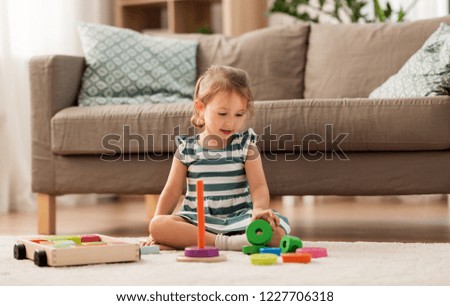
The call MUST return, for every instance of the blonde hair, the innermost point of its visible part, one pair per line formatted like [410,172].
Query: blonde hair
[218,79]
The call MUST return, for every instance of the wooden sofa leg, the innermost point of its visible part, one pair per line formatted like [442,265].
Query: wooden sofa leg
[46,214]
[150,205]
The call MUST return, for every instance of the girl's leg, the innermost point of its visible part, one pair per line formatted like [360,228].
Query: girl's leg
[276,237]
[176,232]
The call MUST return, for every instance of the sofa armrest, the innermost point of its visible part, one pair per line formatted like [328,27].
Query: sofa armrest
[54,84]
[55,81]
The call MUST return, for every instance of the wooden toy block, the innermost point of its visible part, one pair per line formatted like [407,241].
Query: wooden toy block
[90,238]
[76,239]
[296,257]
[149,249]
[263,259]
[69,254]
[289,244]
[276,251]
[315,252]
[259,232]
[64,242]
[251,249]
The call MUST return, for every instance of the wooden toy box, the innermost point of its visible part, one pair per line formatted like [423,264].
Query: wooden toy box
[58,251]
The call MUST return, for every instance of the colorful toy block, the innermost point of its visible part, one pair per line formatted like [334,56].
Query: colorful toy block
[263,259]
[90,238]
[149,249]
[76,239]
[259,232]
[289,244]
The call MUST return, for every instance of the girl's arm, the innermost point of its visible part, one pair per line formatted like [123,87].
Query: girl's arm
[258,188]
[173,189]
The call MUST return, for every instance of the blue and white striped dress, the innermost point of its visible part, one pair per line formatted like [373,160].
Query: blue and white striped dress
[228,203]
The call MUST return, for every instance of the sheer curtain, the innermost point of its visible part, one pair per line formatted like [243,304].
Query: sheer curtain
[29,28]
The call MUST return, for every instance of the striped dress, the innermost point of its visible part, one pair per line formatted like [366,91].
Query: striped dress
[228,203]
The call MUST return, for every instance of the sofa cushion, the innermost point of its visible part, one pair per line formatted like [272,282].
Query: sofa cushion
[120,128]
[351,60]
[126,67]
[352,124]
[273,57]
[426,73]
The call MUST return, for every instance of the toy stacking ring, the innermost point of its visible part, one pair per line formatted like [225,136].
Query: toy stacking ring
[207,251]
[259,232]
[296,257]
[263,259]
[289,244]
[315,252]
[276,251]
[251,249]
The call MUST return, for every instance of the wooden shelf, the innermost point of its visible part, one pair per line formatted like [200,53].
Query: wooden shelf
[189,16]
[142,2]
[179,16]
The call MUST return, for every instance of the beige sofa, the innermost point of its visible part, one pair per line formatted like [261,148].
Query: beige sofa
[320,134]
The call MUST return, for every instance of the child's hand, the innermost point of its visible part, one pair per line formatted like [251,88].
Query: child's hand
[269,216]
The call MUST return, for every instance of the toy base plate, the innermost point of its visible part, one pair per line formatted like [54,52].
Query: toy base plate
[219,258]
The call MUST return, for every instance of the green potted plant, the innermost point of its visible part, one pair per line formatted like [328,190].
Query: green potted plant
[340,10]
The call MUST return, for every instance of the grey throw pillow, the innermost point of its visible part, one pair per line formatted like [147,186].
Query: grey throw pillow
[274,58]
[126,67]
[426,73]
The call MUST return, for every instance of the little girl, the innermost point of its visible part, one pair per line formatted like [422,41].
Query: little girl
[228,162]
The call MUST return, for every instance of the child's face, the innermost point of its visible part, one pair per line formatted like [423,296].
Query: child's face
[223,115]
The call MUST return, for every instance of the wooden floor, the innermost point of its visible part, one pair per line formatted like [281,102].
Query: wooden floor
[404,219]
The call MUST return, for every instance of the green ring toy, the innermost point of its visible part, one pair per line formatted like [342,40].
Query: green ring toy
[289,244]
[259,232]
[251,249]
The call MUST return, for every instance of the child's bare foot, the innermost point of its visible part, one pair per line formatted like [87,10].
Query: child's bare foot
[163,247]
[151,241]
[144,243]
[147,242]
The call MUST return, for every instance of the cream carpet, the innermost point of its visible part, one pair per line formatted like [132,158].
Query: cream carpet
[359,263]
